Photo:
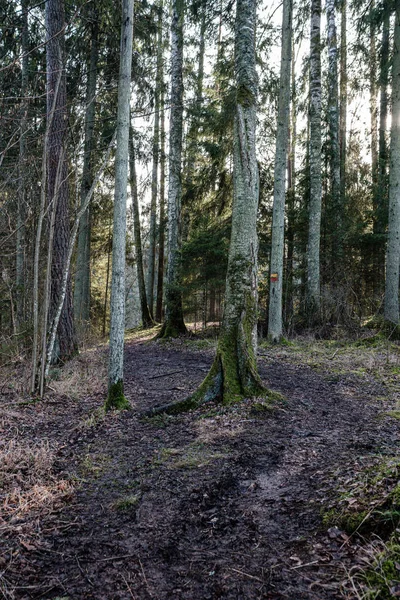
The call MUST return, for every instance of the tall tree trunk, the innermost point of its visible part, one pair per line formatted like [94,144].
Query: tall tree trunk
[382,206]
[156,152]
[393,244]
[161,229]
[291,197]
[82,277]
[147,321]
[343,103]
[334,154]
[174,324]
[22,168]
[233,374]
[116,398]
[315,165]
[278,212]
[193,133]
[57,168]
[373,109]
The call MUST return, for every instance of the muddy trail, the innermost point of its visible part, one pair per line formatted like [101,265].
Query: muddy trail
[219,503]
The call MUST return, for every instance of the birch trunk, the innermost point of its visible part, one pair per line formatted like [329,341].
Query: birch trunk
[57,164]
[154,182]
[82,277]
[234,375]
[21,209]
[278,211]
[147,321]
[161,229]
[334,153]
[174,324]
[116,398]
[315,165]
[393,244]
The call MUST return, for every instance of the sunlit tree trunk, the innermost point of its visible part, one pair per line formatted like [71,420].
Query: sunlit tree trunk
[82,277]
[315,165]
[373,109]
[57,178]
[393,244]
[147,321]
[116,398]
[278,212]
[174,324]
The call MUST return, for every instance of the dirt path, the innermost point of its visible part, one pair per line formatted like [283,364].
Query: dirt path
[220,503]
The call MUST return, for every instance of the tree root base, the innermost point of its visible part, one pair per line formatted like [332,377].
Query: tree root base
[116,399]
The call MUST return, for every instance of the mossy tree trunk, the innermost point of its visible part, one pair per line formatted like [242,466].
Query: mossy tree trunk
[116,397]
[234,375]
[174,324]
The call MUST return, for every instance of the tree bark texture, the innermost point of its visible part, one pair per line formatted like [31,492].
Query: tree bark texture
[154,177]
[174,324]
[336,209]
[278,211]
[393,244]
[82,277]
[161,229]
[315,166]
[116,398]
[57,169]
[147,321]
[22,168]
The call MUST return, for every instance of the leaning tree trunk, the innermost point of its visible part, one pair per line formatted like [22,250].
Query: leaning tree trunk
[393,244]
[314,225]
[334,153]
[57,177]
[116,398]
[233,374]
[82,277]
[154,176]
[174,324]
[278,211]
[147,321]
[22,168]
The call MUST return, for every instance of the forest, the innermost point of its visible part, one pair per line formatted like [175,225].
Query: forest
[199,299]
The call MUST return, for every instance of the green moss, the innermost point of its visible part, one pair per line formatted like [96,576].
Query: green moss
[127,503]
[394,413]
[383,576]
[116,399]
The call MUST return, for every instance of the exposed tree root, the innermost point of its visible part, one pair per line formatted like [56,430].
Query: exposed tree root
[233,376]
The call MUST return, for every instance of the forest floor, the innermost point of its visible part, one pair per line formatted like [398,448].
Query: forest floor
[223,502]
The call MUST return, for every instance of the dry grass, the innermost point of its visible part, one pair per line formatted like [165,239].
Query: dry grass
[82,376]
[28,485]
